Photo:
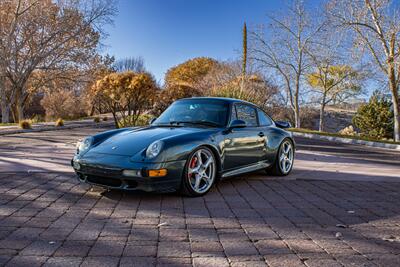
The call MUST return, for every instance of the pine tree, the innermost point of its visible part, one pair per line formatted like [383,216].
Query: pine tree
[375,119]
[244,59]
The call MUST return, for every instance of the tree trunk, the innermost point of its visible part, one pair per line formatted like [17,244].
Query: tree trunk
[5,107]
[396,112]
[5,112]
[322,113]
[395,100]
[19,111]
[296,103]
[322,117]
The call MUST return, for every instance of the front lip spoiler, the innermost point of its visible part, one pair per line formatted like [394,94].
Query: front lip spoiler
[112,178]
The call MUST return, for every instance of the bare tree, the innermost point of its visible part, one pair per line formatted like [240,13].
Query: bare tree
[135,64]
[283,49]
[334,76]
[376,27]
[46,35]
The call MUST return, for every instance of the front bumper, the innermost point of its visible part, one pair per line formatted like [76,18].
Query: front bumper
[107,171]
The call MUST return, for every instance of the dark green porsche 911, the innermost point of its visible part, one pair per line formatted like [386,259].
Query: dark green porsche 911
[194,142]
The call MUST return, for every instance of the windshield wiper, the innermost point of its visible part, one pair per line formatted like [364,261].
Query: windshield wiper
[200,122]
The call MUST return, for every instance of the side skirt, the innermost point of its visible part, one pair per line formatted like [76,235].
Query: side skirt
[250,168]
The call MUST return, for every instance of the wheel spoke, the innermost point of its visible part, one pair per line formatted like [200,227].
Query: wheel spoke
[197,182]
[282,157]
[199,159]
[286,157]
[208,162]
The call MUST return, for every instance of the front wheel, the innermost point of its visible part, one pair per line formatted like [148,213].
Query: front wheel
[284,160]
[200,172]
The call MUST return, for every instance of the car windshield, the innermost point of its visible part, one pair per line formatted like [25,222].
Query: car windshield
[206,112]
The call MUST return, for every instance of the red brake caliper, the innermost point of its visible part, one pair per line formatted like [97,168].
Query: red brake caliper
[193,163]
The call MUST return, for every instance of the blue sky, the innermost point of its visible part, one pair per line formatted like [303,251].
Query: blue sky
[168,32]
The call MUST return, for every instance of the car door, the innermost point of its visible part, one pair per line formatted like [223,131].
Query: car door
[266,128]
[243,146]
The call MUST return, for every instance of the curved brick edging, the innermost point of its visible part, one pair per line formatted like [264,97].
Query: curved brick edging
[347,140]
[54,128]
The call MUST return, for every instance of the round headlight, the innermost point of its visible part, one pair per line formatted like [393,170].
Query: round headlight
[154,149]
[84,145]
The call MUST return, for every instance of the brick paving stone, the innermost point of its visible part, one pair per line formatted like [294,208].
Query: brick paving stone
[171,234]
[63,262]
[22,261]
[4,259]
[170,262]
[236,248]
[322,263]
[283,260]
[207,249]
[210,262]
[104,248]
[137,262]
[173,249]
[100,262]
[249,264]
[203,235]
[74,248]
[261,233]
[40,248]
[137,250]
[272,247]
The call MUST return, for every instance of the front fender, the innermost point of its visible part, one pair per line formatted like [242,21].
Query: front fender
[179,148]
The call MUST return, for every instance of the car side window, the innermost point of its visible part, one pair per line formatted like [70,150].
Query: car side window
[264,119]
[233,113]
[247,114]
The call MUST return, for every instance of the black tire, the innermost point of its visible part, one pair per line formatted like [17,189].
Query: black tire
[186,188]
[276,169]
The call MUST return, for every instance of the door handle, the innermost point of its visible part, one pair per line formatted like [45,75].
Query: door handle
[260,134]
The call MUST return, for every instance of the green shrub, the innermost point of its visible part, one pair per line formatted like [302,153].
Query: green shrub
[25,124]
[96,119]
[105,118]
[375,118]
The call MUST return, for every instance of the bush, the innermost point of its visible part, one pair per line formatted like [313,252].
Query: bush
[142,120]
[96,119]
[105,118]
[59,122]
[63,104]
[349,130]
[25,124]
[308,115]
[375,118]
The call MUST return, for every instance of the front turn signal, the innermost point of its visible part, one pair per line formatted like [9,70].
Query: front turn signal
[157,173]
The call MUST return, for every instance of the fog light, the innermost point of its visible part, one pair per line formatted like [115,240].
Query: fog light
[157,173]
[132,173]
[77,166]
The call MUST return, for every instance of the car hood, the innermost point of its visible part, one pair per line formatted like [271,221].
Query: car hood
[131,142]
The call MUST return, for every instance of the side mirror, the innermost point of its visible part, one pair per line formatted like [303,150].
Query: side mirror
[237,124]
[283,124]
[152,120]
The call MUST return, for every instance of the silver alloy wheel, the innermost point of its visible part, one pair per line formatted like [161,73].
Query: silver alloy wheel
[201,171]
[286,157]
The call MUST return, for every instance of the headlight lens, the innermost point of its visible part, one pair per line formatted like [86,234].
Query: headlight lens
[84,145]
[154,149]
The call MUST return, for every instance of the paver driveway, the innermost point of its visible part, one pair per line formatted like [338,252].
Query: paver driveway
[322,215]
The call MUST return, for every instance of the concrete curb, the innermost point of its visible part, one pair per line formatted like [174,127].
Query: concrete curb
[347,140]
[54,128]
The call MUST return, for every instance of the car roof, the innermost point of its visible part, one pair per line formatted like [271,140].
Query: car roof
[226,99]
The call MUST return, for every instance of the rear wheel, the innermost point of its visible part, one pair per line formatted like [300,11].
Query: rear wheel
[200,172]
[284,160]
